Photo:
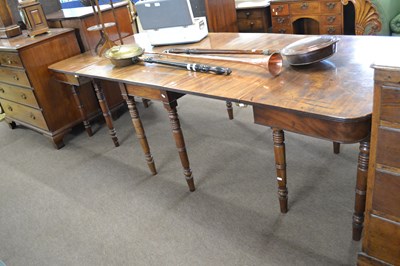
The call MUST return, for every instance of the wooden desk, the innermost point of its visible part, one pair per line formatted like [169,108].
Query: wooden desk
[331,100]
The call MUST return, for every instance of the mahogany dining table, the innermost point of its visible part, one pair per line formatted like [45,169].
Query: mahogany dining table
[330,100]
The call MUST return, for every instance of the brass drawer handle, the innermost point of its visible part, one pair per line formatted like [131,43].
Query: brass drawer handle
[279,8]
[247,14]
[23,96]
[251,24]
[331,30]
[10,108]
[304,6]
[9,61]
[280,20]
[16,77]
[331,19]
[2,90]
[330,5]
[33,116]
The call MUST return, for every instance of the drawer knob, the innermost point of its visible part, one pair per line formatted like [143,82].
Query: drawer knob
[251,24]
[331,30]
[304,6]
[279,8]
[282,31]
[33,116]
[330,5]
[331,19]
[10,108]
[23,96]
[280,20]
[248,14]
[16,77]
[2,90]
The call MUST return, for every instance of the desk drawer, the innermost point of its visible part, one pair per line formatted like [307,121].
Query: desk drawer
[281,21]
[253,25]
[282,29]
[308,8]
[386,196]
[384,240]
[250,13]
[14,76]
[279,9]
[10,59]
[388,148]
[331,30]
[24,113]
[331,20]
[390,104]
[18,94]
[331,7]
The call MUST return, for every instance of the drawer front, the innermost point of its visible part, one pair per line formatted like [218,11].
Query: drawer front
[331,7]
[14,76]
[24,113]
[386,196]
[10,59]
[384,240]
[331,20]
[388,148]
[250,25]
[308,8]
[282,29]
[331,29]
[281,21]
[250,13]
[390,104]
[18,94]
[279,10]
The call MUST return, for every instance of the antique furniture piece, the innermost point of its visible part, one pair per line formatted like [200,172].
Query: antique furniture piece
[257,19]
[7,27]
[372,17]
[33,16]
[307,17]
[83,18]
[382,227]
[325,100]
[28,94]
[221,15]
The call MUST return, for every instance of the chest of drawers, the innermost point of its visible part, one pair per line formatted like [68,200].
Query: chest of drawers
[382,227]
[307,17]
[28,93]
[253,19]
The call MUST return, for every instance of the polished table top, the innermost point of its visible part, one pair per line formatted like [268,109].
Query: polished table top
[339,88]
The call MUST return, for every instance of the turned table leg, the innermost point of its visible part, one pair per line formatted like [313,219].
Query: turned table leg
[140,134]
[361,190]
[280,165]
[106,111]
[229,109]
[180,142]
[82,110]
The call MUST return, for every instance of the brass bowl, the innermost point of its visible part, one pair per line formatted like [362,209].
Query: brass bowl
[124,55]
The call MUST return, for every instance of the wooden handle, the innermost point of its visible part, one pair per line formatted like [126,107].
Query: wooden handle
[191,66]
[215,51]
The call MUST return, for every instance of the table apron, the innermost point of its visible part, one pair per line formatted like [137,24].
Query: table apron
[338,131]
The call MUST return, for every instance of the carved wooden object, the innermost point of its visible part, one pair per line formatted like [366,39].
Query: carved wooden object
[366,17]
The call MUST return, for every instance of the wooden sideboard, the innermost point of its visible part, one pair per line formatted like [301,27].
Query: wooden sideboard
[307,17]
[381,243]
[28,93]
[253,19]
